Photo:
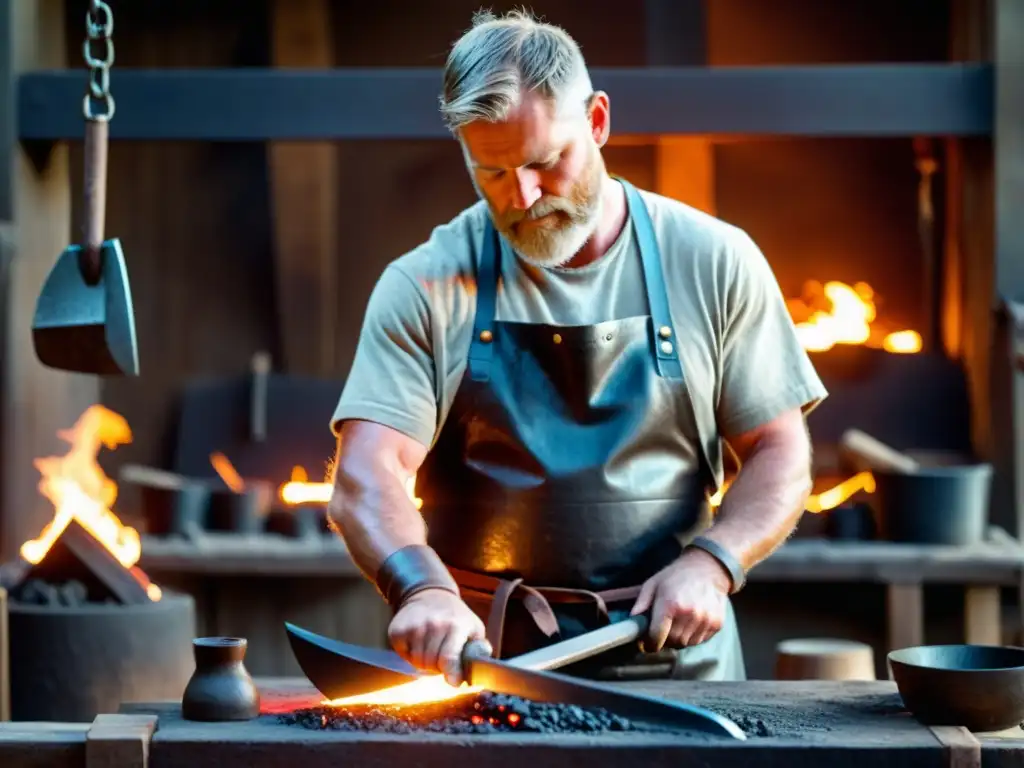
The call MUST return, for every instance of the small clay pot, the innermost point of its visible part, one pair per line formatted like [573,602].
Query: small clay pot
[175,511]
[851,523]
[298,522]
[221,688]
[244,512]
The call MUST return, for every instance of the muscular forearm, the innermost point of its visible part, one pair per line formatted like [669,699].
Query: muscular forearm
[765,502]
[372,511]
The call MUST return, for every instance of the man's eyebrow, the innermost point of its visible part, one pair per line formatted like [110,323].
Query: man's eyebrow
[547,158]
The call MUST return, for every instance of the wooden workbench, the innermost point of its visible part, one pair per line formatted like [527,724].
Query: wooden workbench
[905,569]
[788,724]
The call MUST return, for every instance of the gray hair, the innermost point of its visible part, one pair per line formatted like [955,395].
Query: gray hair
[500,58]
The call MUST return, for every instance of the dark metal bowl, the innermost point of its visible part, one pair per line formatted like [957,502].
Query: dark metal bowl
[980,687]
[907,504]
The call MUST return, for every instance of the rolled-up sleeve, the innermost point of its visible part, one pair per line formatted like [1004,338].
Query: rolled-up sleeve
[392,379]
[765,370]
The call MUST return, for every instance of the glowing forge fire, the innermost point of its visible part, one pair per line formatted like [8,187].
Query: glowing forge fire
[80,490]
[837,313]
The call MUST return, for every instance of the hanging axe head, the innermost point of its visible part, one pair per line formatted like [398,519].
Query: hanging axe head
[84,320]
[87,326]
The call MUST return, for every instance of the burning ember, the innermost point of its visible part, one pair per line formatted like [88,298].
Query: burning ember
[483,712]
[299,490]
[82,494]
[837,313]
[824,501]
[227,472]
[425,690]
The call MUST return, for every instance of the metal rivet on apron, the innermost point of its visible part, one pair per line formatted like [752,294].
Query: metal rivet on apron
[666,347]
[665,331]
[557,338]
[486,336]
[608,337]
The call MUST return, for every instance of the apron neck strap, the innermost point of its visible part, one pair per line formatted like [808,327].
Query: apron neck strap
[663,335]
[487,270]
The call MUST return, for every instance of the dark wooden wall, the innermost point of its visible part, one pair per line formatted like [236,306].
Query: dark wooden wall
[196,219]
[830,208]
[193,219]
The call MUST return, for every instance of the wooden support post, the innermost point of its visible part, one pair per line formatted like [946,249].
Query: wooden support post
[8,127]
[37,402]
[961,748]
[906,616]
[684,165]
[119,741]
[304,204]
[685,170]
[982,616]
[5,660]
[1007,182]
[1007,21]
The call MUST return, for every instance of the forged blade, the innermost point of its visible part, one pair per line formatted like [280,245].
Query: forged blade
[554,688]
[340,669]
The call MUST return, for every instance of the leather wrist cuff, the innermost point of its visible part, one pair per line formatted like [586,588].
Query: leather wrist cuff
[722,555]
[410,570]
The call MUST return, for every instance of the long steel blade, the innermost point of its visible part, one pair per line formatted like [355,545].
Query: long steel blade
[340,669]
[502,677]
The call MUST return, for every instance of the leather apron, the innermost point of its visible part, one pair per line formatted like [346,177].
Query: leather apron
[562,478]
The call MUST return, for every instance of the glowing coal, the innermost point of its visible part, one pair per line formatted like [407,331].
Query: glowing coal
[482,712]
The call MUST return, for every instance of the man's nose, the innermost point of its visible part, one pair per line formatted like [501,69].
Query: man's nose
[525,188]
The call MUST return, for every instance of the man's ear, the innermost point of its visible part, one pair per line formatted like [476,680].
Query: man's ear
[600,116]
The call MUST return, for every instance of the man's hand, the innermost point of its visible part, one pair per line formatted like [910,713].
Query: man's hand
[431,629]
[687,600]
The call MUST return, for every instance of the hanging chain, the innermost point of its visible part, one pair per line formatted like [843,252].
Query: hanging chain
[99,31]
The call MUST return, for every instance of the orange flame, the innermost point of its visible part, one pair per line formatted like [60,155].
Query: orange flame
[222,466]
[79,490]
[299,490]
[819,502]
[837,313]
[833,497]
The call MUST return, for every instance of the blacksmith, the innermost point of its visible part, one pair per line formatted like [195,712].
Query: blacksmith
[561,367]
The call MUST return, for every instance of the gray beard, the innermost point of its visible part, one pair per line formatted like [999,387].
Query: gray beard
[551,250]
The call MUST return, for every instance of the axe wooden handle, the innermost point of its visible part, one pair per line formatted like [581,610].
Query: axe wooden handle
[94,160]
[261,364]
[869,453]
[151,476]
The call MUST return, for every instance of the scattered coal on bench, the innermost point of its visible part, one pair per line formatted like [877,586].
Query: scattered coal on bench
[484,712]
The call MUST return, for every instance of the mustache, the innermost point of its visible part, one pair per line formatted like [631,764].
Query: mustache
[541,208]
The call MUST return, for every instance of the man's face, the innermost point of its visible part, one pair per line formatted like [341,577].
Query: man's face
[540,173]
